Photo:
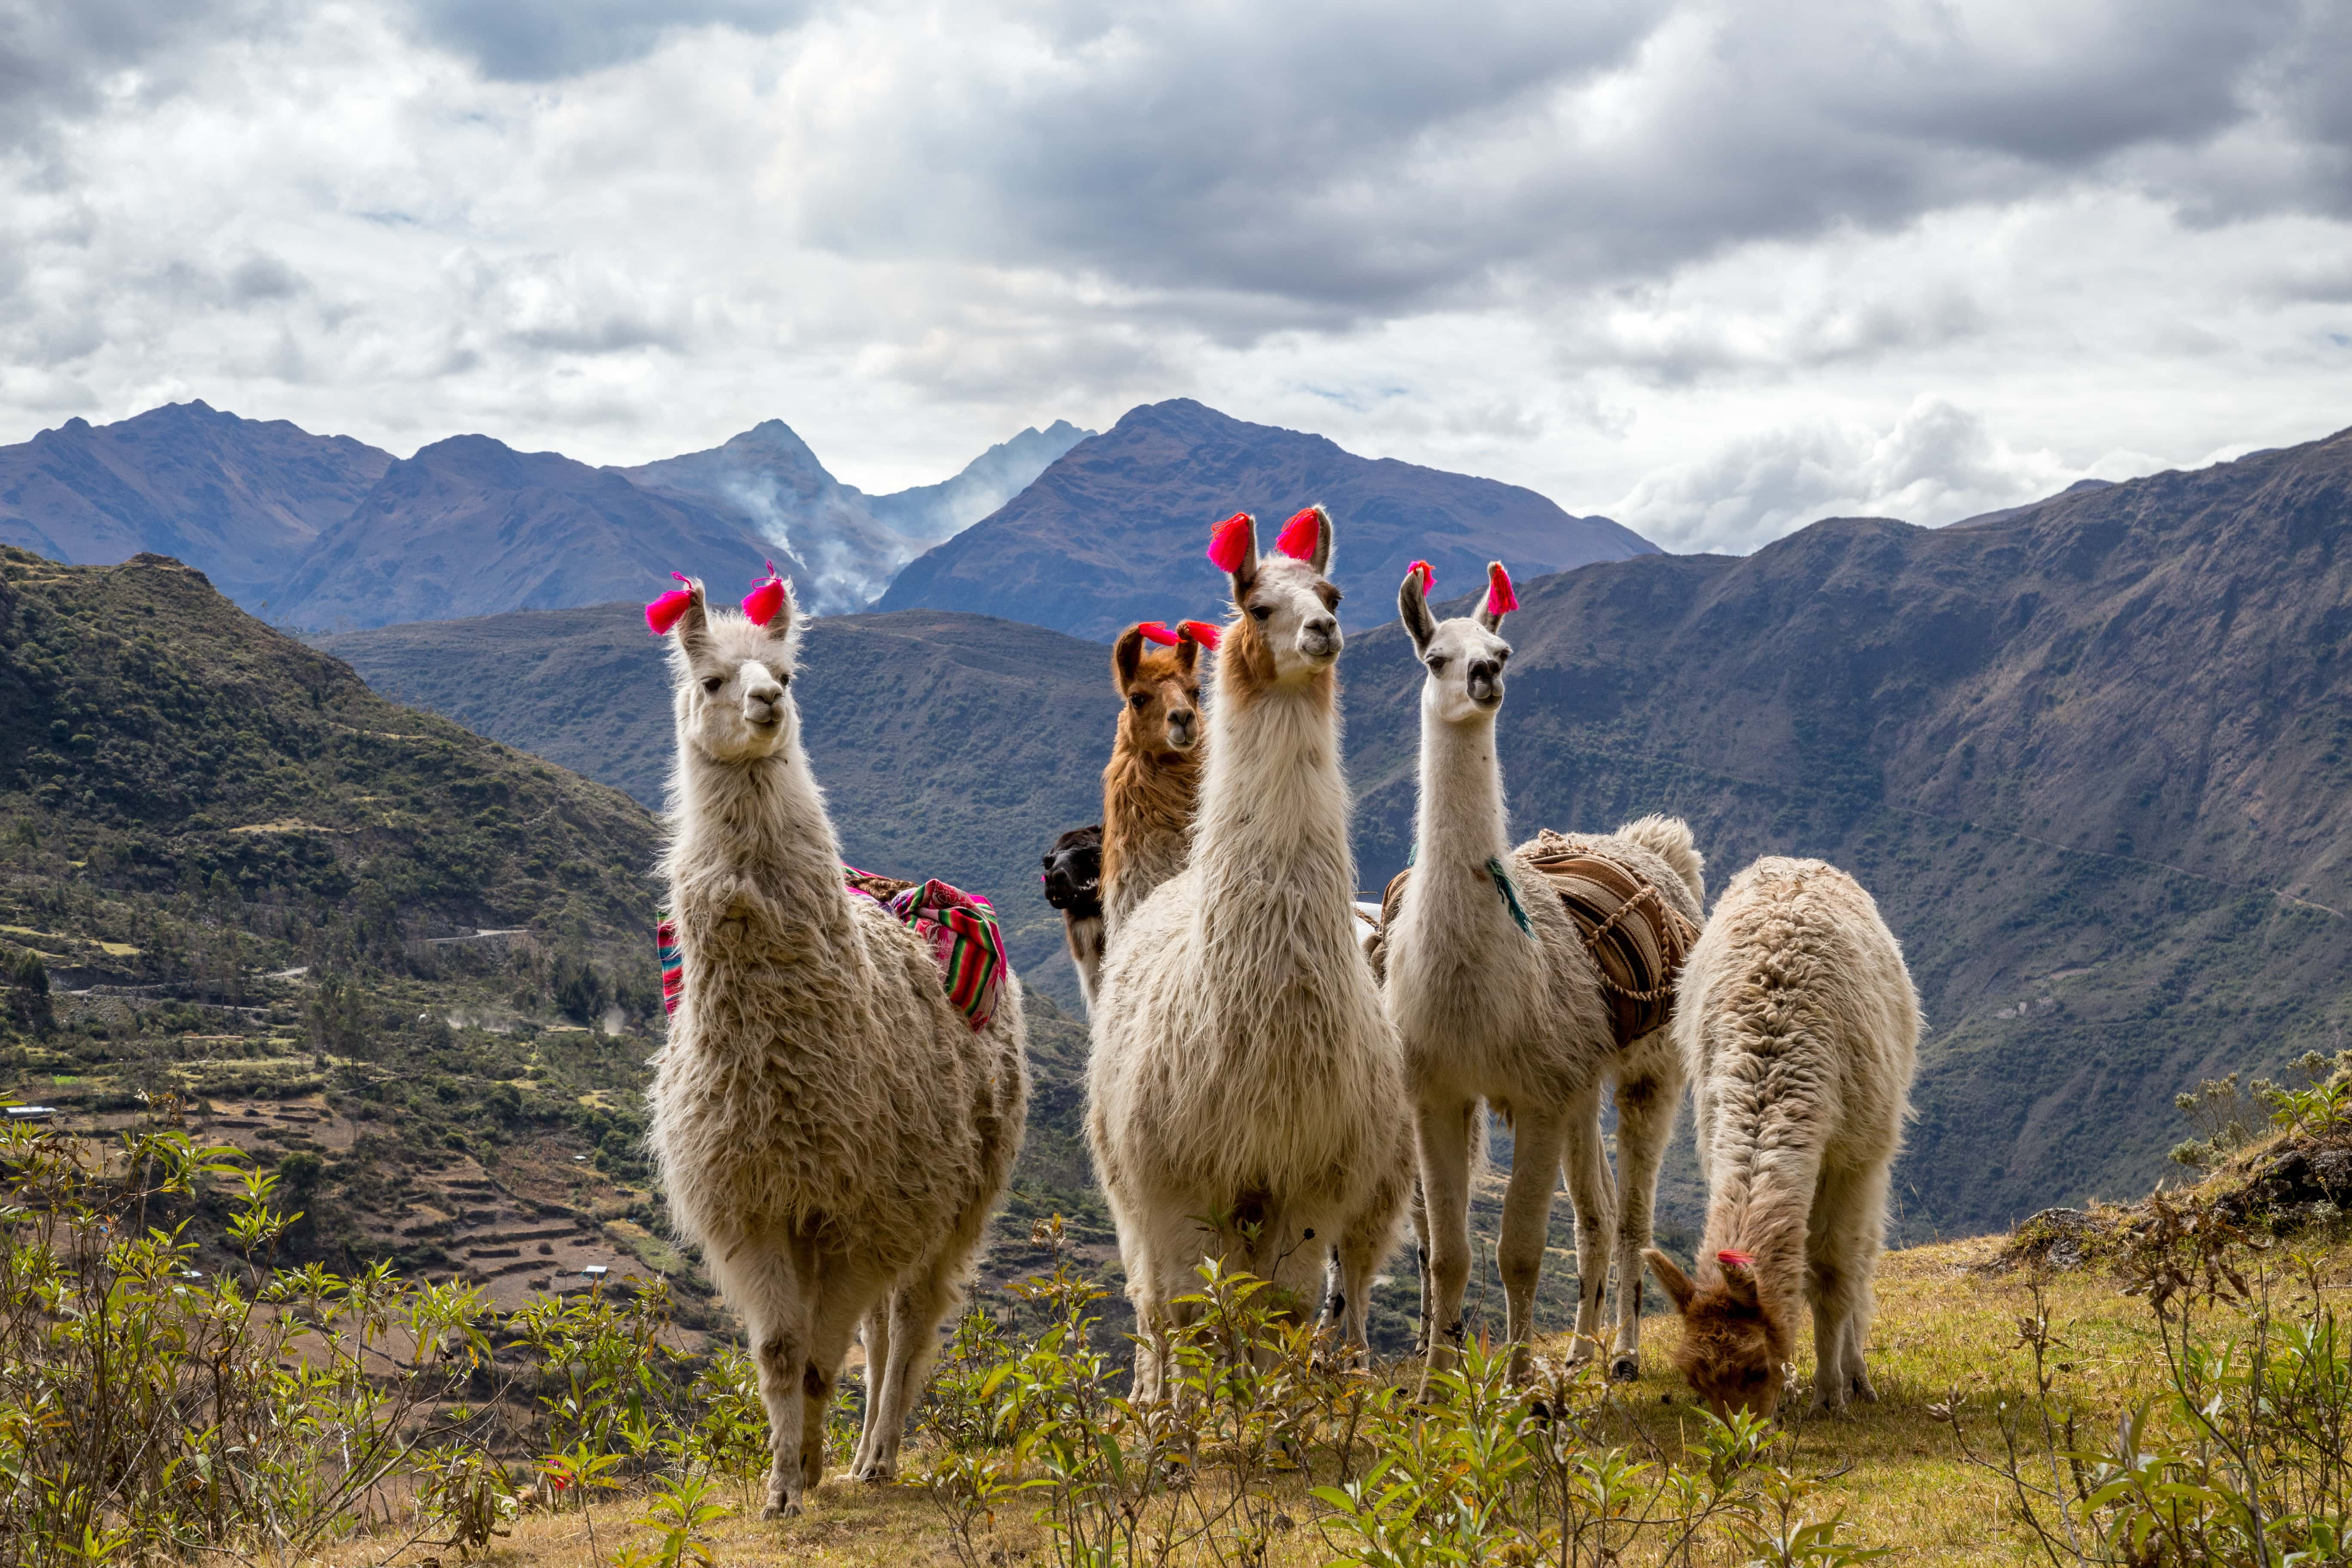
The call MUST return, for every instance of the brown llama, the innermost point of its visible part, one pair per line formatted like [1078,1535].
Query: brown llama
[1800,1030]
[1153,776]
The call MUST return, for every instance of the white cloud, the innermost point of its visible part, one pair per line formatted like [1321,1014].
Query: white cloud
[1600,251]
[1935,465]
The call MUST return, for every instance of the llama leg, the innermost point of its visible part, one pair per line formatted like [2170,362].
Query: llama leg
[1589,1190]
[848,1298]
[1535,1138]
[916,1309]
[765,1283]
[878,1362]
[1646,1102]
[1420,1268]
[1444,1129]
[1852,1231]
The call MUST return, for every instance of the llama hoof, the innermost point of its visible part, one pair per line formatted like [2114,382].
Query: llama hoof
[787,1508]
[878,1475]
[1861,1390]
[1625,1369]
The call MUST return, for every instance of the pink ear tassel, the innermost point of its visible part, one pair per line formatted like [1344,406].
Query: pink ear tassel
[1427,573]
[1731,1258]
[1501,600]
[1301,535]
[663,612]
[1230,544]
[1201,632]
[1155,631]
[762,602]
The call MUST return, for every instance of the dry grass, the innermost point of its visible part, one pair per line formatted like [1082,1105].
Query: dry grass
[1894,1468]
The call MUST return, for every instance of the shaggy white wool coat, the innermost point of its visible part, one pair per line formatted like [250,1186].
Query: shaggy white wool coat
[830,1130]
[1800,1027]
[1244,1071]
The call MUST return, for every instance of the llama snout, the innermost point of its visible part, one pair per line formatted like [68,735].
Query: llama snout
[1486,681]
[1320,638]
[1184,725]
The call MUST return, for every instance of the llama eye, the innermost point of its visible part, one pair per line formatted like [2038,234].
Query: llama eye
[1139,701]
[713,683]
[783,678]
[1437,664]
[1261,612]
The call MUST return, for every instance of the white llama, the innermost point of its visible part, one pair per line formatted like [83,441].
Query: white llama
[1801,1029]
[831,1132]
[1496,997]
[1245,1096]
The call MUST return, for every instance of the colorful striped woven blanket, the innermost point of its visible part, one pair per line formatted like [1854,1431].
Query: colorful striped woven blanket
[959,928]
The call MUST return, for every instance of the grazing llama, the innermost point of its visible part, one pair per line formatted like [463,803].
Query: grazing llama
[1496,997]
[831,1130]
[1800,1027]
[1242,1100]
[1154,774]
[1073,878]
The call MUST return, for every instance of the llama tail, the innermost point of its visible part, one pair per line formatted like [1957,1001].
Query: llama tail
[1669,838]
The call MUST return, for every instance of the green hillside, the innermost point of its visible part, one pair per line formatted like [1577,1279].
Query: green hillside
[410,966]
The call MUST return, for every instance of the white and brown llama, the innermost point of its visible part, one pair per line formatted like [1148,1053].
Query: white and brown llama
[1245,1091]
[831,1131]
[1497,998]
[1801,1029]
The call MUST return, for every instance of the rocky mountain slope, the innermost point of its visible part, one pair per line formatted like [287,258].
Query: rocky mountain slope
[239,498]
[470,526]
[848,543]
[1114,532]
[2094,759]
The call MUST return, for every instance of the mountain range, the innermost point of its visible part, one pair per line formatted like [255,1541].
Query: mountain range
[1076,532]
[1116,531]
[2092,757]
[322,531]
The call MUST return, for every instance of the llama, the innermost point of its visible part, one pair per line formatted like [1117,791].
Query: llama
[1496,997]
[831,1130]
[1800,1027]
[1073,878]
[1245,1092]
[1154,772]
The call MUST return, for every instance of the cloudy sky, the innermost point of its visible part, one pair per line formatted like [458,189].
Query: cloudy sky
[1715,269]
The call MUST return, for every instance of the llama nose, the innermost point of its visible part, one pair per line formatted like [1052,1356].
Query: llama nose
[1320,635]
[1485,680]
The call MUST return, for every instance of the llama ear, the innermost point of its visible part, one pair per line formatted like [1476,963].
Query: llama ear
[770,604]
[1233,549]
[1308,537]
[1188,654]
[1413,609]
[1671,1280]
[1501,597]
[1125,659]
[681,612]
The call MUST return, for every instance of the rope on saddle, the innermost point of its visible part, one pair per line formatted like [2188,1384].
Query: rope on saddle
[1638,940]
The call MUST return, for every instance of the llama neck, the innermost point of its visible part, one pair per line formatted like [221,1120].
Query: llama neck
[761,822]
[1761,1206]
[1147,823]
[1461,819]
[1271,838]
[1459,828]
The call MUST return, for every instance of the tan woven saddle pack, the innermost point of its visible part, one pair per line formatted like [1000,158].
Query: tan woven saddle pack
[1638,940]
